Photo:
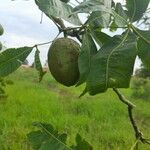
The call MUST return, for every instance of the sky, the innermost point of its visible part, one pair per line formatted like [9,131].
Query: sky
[21,21]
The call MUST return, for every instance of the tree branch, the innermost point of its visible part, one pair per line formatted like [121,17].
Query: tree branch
[73,32]
[138,133]
[45,43]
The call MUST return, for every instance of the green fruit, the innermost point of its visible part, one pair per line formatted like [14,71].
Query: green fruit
[65,1]
[1,46]
[1,30]
[63,61]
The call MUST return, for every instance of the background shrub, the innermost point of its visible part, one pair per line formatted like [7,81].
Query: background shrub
[141,88]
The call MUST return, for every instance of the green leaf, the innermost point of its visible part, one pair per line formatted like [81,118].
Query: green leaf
[143,45]
[36,138]
[1,46]
[12,58]
[120,17]
[100,18]
[47,138]
[38,65]
[59,9]
[113,65]
[120,11]
[136,8]
[100,37]
[113,26]
[119,20]
[81,144]
[88,49]
[90,6]
[1,30]
[98,7]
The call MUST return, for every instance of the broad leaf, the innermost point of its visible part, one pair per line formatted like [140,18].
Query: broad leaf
[81,144]
[101,13]
[120,11]
[113,65]
[38,65]
[59,9]
[120,17]
[100,18]
[88,49]
[100,37]
[143,45]
[136,8]
[47,138]
[12,58]
[36,138]
[90,6]
[120,21]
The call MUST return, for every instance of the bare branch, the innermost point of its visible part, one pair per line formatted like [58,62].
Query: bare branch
[45,43]
[138,133]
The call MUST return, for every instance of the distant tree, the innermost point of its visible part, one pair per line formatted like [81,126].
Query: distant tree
[143,72]
[32,65]
[25,62]
[46,63]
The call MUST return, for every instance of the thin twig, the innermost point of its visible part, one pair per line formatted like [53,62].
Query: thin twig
[41,18]
[77,1]
[59,22]
[45,43]
[73,32]
[138,133]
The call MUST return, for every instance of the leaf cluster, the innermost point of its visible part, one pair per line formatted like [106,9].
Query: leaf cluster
[3,83]
[47,138]
[104,61]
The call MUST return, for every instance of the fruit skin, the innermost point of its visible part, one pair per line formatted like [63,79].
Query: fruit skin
[1,46]
[1,30]
[65,1]
[63,61]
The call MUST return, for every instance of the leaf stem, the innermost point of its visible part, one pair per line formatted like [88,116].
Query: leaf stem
[139,34]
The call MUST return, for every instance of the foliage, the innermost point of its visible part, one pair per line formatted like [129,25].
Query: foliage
[1,30]
[1,33]
[142,72]
[99,70]
[48,138]
[38,65]
[58,9]
[141,88]
[105,62]
[141,83]
[3,83]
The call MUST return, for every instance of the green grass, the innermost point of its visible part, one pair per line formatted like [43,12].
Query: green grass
[102,120]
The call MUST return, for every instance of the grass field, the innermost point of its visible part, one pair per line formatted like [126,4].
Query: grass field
[102,120]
